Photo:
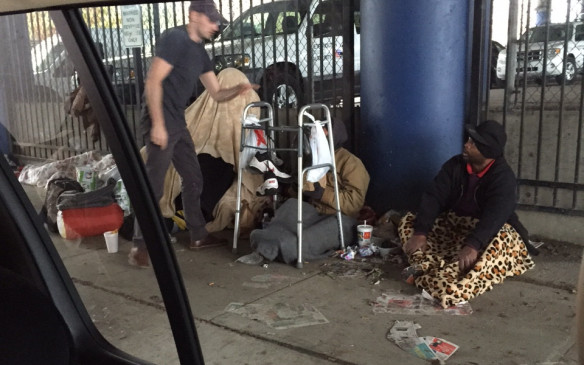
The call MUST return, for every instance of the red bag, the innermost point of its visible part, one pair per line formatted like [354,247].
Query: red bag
[90,213]
[84,222]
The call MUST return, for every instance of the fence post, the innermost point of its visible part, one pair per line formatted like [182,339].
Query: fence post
[511,59]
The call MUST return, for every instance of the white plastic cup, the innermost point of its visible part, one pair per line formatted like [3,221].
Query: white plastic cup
[364,232]
[111,241]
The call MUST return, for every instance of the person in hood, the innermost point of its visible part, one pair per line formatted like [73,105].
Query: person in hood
[320,226]
[352,178]
[466,236]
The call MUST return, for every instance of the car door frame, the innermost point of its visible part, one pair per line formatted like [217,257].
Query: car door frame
[102,97]
[35,255]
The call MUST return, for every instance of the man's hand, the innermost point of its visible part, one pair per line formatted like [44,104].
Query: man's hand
[159,136]
[416,242]
[211,84]
[243,88]
[316,194]
[466,258]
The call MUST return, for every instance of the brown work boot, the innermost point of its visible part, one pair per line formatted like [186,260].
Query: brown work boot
[209,241]
[139,257]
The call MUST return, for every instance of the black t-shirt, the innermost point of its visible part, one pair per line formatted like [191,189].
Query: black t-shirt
[189,60]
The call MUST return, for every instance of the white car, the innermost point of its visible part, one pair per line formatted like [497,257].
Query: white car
[501,64]
[562,39]
[54,74]
[269,43]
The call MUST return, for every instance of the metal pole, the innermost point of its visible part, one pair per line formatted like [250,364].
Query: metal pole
[511,61]
[349,70]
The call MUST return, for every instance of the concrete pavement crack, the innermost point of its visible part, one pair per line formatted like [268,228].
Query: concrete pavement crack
[561,286]
[125,296]
[279,343]
[211,322]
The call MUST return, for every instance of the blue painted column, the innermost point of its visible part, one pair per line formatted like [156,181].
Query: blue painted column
[413,84]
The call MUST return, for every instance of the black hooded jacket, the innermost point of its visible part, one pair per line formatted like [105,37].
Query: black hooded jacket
[495,195]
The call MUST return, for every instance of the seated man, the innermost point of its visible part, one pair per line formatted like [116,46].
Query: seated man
[320,233]
[352,177]
[466,235]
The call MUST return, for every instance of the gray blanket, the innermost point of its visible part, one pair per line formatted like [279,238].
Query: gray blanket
[320,234]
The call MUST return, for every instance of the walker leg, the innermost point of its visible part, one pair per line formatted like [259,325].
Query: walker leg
[237,212]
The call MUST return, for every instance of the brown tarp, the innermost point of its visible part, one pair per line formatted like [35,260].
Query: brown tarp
[216,130]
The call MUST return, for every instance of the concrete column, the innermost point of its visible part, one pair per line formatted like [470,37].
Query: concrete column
[413,82]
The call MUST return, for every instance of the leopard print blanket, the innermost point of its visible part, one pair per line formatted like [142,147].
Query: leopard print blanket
[506,255]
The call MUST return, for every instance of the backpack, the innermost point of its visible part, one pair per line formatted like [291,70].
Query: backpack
[55,188]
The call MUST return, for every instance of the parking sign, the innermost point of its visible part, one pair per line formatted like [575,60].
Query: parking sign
[132,26]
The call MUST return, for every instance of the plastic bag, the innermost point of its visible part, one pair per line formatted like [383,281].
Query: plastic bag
[122,197]
[320,153]
[87,177]
[251,137]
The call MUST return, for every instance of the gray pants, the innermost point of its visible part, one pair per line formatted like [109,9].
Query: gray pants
[181,152]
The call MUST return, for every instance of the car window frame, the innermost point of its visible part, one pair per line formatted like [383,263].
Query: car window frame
[34,257]
[90,68]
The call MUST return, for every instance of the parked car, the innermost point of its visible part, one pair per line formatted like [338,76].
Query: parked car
[496,49]
[269,42]
[501,66]
[55,74]
[561,39]
[51,69]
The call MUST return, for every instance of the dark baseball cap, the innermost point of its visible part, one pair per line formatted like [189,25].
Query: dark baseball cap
[489,137]
[208,8]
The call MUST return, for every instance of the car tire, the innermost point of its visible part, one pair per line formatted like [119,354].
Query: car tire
[569,73]
[497,83]
[284,91]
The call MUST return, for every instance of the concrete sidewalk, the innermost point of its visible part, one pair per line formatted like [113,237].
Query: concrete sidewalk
[323,313]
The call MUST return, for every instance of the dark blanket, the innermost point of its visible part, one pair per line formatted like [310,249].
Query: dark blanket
[320,234]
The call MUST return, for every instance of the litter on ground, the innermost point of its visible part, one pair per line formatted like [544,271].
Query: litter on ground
[395,303]
[279,315]
[404,335]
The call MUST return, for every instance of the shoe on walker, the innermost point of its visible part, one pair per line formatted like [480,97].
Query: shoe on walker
[277,160]
[270,185]
[261,163]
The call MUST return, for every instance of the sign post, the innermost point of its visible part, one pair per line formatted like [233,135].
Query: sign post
[132,26]
[133,37]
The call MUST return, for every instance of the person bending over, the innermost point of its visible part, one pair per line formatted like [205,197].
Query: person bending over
[180,60]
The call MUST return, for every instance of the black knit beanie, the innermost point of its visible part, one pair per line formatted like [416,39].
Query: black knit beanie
[489,137]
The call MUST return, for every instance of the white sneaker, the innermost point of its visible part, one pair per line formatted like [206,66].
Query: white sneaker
[270,185]
[261,163]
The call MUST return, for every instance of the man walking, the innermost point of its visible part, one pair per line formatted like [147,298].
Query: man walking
[180,60]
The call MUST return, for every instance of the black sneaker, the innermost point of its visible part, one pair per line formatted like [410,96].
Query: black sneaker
[261,163]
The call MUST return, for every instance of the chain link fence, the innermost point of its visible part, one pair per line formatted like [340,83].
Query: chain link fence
[541,103]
